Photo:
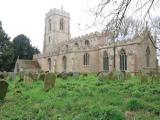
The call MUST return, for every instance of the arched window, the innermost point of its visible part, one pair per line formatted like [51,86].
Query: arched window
[76,44]
[86,59]
[87,42]
[64,63]
[66,47]
[61,24]
[50,25]
[49,64]
[105,61]
[147,57]
[49,39]
[123,60]
[18,68]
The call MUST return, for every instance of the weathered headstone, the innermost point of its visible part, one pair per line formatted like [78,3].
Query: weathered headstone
[3,89]
[64,75]
[76,74]
[28,79]
[102,76]
[49,81]
[1,76]
[34,76]
[41,76]
[118,75]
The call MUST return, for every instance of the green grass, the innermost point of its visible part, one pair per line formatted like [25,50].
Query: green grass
[82,99]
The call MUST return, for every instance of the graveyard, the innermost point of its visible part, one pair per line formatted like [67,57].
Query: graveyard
[81,97]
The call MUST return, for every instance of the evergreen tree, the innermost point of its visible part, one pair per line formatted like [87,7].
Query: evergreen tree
[6,51]
[23,48]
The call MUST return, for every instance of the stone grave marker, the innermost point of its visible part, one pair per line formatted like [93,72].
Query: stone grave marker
[3,89]
[49,81]
[41,76]
[28,79]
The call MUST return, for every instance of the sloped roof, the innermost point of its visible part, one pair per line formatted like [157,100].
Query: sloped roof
[31,64]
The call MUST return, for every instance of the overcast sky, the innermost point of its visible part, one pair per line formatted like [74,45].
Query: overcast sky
[27,17]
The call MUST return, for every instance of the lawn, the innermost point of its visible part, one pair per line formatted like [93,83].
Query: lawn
[82,99]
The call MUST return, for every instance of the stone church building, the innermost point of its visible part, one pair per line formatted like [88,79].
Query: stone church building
[91,52]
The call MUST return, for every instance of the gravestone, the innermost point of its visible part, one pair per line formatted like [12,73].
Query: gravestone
[3,89]
[102,76]
[1,76]
[63,75]
[76,74]
[41,76]
[28,79]
[49,81]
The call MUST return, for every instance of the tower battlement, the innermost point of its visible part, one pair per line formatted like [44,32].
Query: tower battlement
[57,11]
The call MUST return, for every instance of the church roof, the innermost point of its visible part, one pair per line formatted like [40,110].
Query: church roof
[28,64]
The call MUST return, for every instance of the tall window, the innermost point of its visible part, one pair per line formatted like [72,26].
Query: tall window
[49,64]
[64,63]
[50,25]
[76,44]
[87,42]
[123,60]
[105,61]
[86,59]
[66,48]
[49,39]
[61,25]
[17,67]
[147,57]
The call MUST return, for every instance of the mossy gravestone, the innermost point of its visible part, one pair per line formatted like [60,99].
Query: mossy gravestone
[41,76]
[3,89]
[49,81]
[102,76]
[28,79]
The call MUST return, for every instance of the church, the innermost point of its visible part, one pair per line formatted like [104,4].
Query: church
[92,52]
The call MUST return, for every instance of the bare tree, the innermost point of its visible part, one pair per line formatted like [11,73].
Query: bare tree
[113,12]
[112,15]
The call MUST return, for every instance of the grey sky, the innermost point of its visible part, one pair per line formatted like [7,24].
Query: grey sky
[27,17]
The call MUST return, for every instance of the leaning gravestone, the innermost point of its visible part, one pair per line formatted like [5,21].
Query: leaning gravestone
[49,81]
[3,89]
[102,76]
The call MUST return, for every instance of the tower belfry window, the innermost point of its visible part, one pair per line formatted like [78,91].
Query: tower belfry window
[50,25]
[61,24]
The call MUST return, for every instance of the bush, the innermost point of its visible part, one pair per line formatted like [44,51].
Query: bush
[134,104]
[144,79]
[137,94]
[109,113]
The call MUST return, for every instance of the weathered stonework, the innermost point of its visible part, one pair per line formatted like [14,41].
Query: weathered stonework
[58,44]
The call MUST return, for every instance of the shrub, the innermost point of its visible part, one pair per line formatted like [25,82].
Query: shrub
[134,104]
[137,94]
[109,113]
[144,79]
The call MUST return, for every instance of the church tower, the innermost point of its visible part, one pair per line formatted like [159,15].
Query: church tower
[57,29]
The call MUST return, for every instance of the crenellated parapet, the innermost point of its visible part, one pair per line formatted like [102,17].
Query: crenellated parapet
[87,36]
[57,11]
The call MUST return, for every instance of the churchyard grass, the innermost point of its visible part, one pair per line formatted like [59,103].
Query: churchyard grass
[83,98]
